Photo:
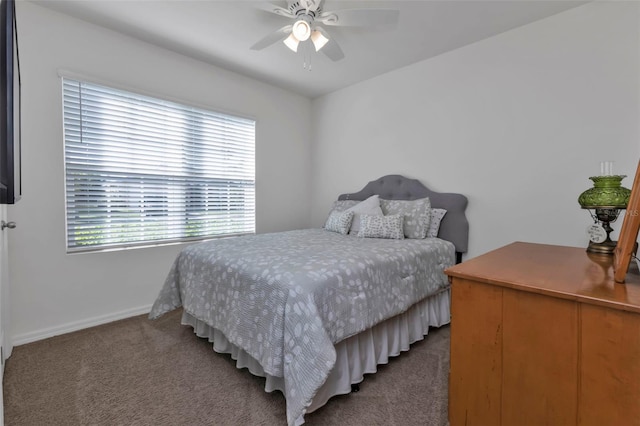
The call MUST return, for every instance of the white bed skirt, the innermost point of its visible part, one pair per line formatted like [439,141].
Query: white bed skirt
[356,356]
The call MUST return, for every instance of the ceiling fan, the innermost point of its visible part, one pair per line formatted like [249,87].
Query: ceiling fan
[308,16]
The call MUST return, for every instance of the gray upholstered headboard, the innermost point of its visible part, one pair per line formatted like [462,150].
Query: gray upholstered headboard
[454,226]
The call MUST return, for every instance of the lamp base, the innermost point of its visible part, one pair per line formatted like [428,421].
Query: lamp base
[606,247]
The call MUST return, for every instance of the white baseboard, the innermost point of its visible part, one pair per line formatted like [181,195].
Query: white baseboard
[33,336]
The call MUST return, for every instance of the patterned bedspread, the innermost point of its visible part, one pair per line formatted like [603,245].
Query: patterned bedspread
[286,298]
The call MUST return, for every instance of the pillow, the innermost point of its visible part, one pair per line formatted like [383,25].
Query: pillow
[370,206]
[375,226]
[417,214]
[434,225]
[342,205]
[339,222]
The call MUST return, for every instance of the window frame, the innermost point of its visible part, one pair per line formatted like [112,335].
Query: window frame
[247,214]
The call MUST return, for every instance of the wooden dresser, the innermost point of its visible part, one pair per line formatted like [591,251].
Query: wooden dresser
[541,335]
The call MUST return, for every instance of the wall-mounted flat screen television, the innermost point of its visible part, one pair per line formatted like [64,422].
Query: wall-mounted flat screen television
[10,173]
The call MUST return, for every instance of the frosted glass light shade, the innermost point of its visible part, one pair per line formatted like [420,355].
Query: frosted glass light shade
[301,30]
[318,40]
[292,42]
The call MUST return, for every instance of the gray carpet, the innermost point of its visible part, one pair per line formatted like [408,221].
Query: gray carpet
[141,372]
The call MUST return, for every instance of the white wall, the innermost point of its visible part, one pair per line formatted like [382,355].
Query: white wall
[52,291]
[517,122]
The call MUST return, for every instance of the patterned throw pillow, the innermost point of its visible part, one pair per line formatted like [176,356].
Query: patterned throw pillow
[342,205]
[434,225]
[417,215]
[339,222]
[370,206]
[374,226]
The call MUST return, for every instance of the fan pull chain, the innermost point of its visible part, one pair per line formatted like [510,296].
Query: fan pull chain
[307,57]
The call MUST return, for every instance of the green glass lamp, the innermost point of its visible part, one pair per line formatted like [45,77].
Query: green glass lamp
[606,199]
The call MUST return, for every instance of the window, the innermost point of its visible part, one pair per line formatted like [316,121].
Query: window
[144,171]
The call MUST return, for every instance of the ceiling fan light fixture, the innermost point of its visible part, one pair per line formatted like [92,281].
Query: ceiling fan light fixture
[292,42]
[301,30]
[318,39]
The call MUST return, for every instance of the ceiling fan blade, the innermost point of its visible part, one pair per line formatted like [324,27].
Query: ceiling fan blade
[274,8]
[332,50]
[273,37]
[360,17]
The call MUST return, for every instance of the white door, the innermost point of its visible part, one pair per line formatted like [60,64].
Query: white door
[5,346]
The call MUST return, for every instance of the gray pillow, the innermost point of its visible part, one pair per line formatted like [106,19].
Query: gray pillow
[374,226]
[342,205]
[339,222]
[434,224]
[417,214]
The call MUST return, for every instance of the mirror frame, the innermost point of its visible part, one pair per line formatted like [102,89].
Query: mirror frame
[626,244]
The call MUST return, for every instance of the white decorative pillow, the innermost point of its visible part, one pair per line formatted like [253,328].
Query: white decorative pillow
[374,226]
[417,214]
[434,225]
[370,206]
[339,222]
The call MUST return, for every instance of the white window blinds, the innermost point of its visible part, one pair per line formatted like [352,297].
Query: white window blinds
[141,170]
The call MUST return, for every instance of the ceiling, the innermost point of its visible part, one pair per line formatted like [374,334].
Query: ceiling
[221,33]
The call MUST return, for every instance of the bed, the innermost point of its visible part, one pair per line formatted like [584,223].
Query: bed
[314,310]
